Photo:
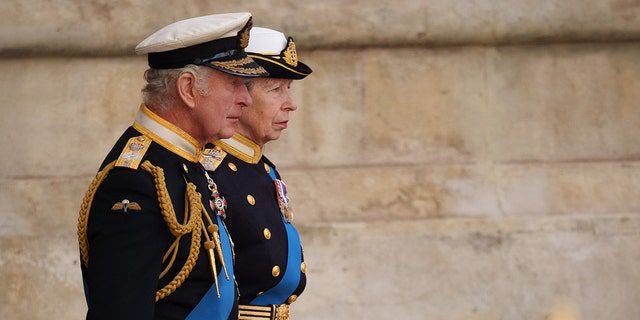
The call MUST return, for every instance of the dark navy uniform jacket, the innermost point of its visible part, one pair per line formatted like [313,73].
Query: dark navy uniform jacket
[126,248]
[269,264]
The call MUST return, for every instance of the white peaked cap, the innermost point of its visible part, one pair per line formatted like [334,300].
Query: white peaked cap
[189,32]
[276,53]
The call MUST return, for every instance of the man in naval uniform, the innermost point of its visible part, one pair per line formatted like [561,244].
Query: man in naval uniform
[269,269]
[152,241]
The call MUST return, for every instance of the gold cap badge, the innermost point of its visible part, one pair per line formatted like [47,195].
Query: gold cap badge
[290,54]
[243,34]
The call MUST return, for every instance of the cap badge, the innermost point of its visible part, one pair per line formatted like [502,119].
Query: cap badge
[243,35]
[290,54]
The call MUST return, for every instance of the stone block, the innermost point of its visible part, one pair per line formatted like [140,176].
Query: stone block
[565,20]
[418,192]
[569,188]
[30,207]
[471,105]
[381,106]
[41,278]
[65,113]
[390,193]
[100,27]
[454,269]
[564,103]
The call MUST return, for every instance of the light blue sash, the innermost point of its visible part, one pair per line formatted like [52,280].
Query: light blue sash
[291,278]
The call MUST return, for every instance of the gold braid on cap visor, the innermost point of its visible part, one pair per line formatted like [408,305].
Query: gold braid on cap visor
[277,63]
[237,66]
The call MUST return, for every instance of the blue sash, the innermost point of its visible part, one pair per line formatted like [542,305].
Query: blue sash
[211,307]
[291,278]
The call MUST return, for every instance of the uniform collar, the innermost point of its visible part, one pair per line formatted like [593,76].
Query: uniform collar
[167,135]
[241,147]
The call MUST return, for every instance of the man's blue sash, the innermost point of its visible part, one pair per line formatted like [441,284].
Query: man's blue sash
[211,307]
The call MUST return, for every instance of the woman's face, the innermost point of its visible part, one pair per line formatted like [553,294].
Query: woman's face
[269,114]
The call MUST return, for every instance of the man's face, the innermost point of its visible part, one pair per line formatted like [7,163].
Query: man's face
[217,114]
[269,115]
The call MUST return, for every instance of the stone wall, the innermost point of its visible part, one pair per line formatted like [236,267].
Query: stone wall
[448,160]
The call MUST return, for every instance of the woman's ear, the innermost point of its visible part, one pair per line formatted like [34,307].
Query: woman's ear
[187,89]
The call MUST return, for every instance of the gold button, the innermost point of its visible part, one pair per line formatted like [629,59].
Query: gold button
[232,166]
[141,139]
[266,168]
[251,199]
[267,233]
[303,267]
[275,271]
[292,299]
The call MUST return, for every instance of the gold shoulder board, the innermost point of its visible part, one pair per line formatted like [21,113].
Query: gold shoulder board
[212,158]
[133,152]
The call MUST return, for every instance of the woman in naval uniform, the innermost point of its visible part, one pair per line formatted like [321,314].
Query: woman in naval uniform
[269,265]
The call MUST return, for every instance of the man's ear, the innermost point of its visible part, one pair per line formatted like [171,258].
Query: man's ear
[187,89]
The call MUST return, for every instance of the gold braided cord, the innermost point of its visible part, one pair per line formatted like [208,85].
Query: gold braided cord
[173,250]
[177,281]
[166,207]
[175,246]
[83,218]
[192,226]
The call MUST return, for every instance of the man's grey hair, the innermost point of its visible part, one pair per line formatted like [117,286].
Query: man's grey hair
[160,93]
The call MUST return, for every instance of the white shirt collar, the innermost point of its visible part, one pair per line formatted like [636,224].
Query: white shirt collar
[167,135]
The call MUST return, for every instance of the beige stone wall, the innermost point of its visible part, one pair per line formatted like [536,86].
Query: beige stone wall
[449,159]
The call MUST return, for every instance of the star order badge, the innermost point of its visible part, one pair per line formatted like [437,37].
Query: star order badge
[218,203]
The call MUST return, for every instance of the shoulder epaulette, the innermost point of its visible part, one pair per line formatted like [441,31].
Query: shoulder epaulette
[212,158]
[133,152]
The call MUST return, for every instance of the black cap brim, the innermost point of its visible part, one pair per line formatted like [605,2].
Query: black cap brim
[278,68]
[221,54]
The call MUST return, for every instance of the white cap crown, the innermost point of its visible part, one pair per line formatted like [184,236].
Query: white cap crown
[194,31]
[266,41]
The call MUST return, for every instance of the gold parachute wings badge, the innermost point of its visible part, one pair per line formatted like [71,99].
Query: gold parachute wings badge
[126,205]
